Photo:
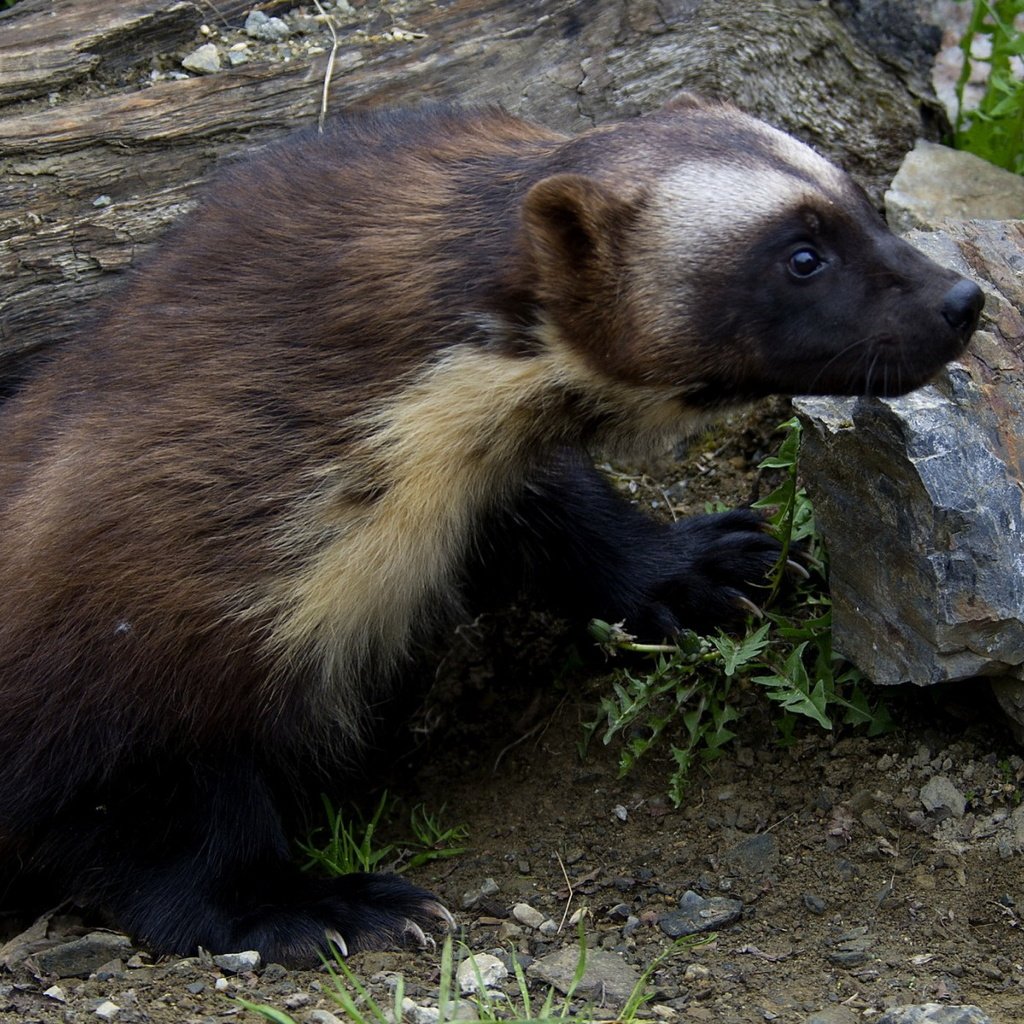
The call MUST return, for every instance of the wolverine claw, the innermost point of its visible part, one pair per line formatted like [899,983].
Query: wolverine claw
[334,938]
[442,913]
[745,604]
[413,929]
[796,571]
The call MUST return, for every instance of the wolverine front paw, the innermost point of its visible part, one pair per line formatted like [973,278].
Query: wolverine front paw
[715,571]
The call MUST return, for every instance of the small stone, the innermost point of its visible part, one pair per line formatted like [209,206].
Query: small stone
[238,57]
[815,904]
[607,977]
[204,61]
[620,812]
[56,993]
[271,30]
[81,957]
[525,914]
[107,1010]
[222,984]
[755,855]
[321,1017]
[934,1013]
[696,914]
[101,201]
[297,1000]
[548,928]
[480,970]
[236,963]
[942,799]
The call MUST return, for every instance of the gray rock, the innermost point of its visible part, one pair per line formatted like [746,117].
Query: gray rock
[607,981]
[936,183]
[80,957]
[321,1017]
[919,498]
[934,1013]
[260,26]
[755,855]
[696,914]
[204,61]
[942,799]
[530,916]
[236,963]
[481,970]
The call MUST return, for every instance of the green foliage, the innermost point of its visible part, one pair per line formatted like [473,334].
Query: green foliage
[360,1007]
[994,129]
[353,843]
[687,697]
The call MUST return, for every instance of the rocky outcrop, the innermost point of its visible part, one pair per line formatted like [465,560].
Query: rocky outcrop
[921,498]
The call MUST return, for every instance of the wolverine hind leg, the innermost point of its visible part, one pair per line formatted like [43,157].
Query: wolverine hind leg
[195,855]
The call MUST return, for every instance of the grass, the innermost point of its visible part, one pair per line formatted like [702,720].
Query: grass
[484,1006]
[686,699]
[994,129]
[350,842]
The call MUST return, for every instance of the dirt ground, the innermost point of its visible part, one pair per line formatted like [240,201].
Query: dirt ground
[858,891]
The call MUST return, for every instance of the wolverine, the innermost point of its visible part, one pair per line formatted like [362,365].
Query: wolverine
[352,394]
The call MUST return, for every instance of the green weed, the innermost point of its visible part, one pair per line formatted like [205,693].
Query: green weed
[994,129]
[487,1007]
[350,843]
[687,696]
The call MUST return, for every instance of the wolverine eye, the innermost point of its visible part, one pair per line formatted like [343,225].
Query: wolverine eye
[805,262]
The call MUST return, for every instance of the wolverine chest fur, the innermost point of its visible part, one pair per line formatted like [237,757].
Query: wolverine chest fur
[356,389]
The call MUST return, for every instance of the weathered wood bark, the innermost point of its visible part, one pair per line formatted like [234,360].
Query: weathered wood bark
[75,125]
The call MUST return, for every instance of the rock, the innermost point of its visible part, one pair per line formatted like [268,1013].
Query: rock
[607,981]
[204,61]
[271,30]
[525,914]
[936,183]
[696,914]
[107,1010]
[480,970]
[942,799]
[321,1017]
[80,957]
[934,1013]
[755,855]
[919,498]
[236,963]
[815,904]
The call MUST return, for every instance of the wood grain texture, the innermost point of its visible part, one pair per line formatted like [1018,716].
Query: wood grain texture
[567,65]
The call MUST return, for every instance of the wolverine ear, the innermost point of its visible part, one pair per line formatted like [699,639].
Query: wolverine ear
[573,224]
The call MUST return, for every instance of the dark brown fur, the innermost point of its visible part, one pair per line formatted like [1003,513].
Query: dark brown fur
[356,381]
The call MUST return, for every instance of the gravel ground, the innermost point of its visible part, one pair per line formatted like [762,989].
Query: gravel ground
[854,874]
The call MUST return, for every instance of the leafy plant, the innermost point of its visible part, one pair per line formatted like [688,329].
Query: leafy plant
[994,129]
[350,844]
[687,696]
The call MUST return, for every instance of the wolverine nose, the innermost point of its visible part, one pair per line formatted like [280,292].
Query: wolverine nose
[961,306]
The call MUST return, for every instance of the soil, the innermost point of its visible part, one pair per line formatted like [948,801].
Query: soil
[855,895]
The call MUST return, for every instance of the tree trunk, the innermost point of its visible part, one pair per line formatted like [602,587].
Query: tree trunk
[95,162]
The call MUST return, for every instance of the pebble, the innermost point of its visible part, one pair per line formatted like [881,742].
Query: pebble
[815,904]
[107,1010]
[934,1013]
[608,979]
[530,916]
[236,963]
[942,799]
[55,992]
[696,914]
[260,26]
[81,957]
[203,61]
[755,855]
[481,969]
[321,1017]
